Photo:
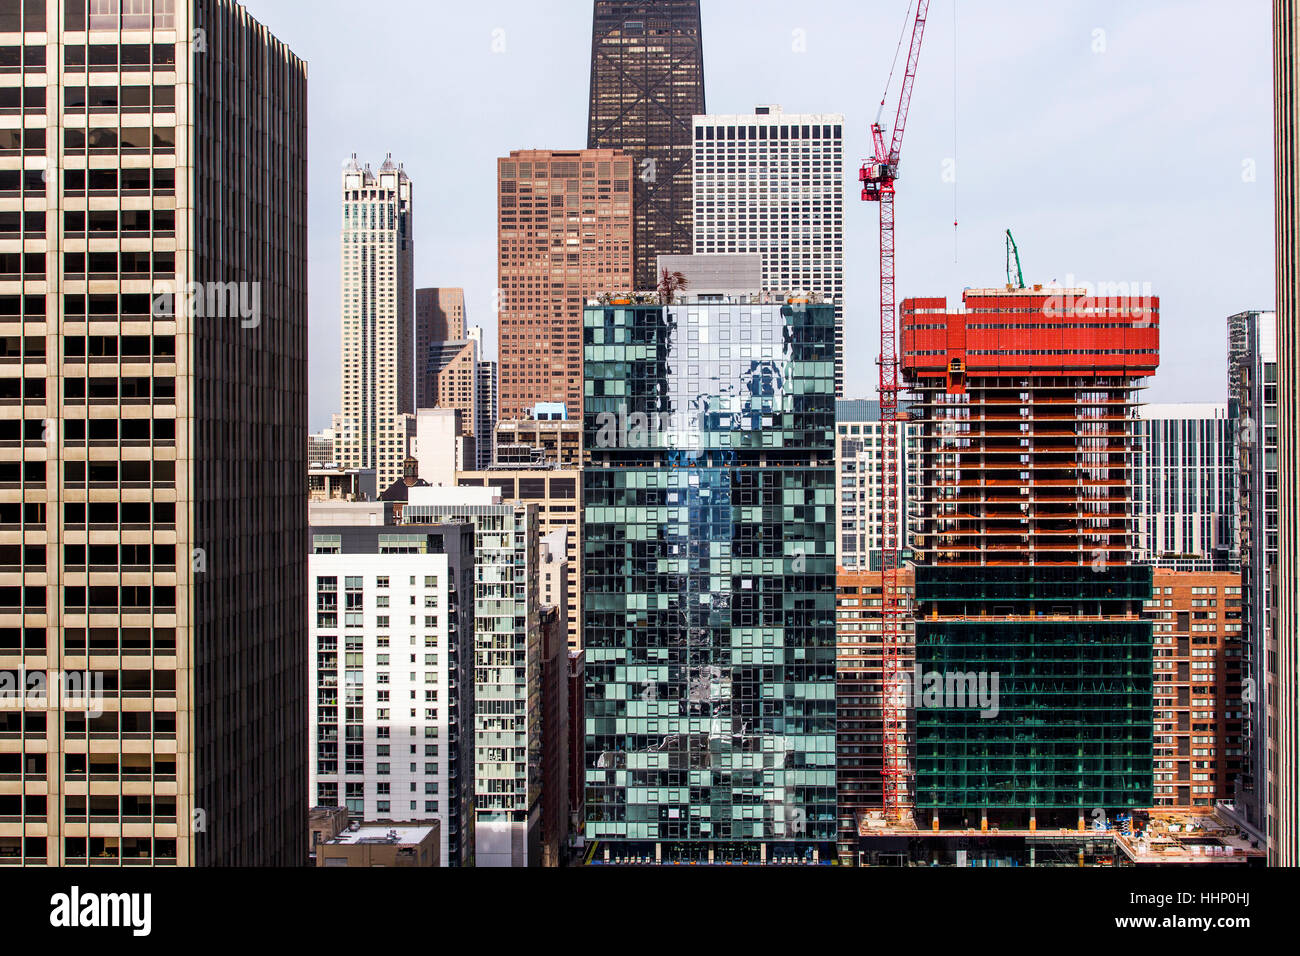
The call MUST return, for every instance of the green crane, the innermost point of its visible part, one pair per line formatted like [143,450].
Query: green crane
[1012,250]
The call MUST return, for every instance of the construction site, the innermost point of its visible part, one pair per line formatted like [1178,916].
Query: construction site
[1157,837]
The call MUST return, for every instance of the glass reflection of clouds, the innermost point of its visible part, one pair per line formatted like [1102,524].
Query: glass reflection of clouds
[709,571]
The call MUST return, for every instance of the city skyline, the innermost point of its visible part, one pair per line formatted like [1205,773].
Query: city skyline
[620,545]
[1174,138]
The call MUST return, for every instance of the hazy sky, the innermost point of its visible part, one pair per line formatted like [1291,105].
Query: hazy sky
[1120,141]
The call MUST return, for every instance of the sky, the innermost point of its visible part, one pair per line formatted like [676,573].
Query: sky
[1119,141]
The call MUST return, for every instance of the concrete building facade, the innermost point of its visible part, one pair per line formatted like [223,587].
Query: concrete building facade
[1197,686]
[508,771]
[858,477]
[1185,476]
[771,183]
[557,493]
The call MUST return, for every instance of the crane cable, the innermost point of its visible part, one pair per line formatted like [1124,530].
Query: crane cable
[954,132]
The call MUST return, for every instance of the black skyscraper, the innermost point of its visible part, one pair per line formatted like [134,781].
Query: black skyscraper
[647,81]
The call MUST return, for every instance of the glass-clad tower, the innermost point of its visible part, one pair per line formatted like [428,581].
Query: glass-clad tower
[709,569]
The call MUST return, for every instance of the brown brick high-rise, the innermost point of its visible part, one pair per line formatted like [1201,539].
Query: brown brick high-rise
[564,234]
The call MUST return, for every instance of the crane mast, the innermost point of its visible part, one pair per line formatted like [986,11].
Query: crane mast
[878,176]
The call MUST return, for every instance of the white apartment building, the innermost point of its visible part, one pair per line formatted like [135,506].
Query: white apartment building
[1185,484]
[378,298]
[772,183]
[391,673]
[858,477]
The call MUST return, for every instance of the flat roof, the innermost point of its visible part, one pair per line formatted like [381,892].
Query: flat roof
[396,835]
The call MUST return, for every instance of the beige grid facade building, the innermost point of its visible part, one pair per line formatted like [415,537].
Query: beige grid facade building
[152,445]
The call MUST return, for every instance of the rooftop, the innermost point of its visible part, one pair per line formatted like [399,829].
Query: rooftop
[687,298]
[393,836]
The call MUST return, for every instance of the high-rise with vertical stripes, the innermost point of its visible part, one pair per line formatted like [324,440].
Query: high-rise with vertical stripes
[1286,164]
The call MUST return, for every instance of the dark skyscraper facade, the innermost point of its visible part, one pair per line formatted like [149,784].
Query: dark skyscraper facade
[1284,798]
[1253,415]
[647,82]
[709,576]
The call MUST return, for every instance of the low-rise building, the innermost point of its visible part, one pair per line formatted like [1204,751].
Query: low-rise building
[382,845]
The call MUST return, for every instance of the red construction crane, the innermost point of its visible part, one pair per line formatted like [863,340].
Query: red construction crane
[877,178]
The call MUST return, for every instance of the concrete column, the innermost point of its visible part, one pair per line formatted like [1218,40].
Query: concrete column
[984,821]
[659,852]
[1033,821]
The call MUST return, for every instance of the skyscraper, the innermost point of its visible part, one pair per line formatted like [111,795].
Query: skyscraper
[1286,163]
[772,183]
[565,234]
[1253,396]
[508,649]
[378,318]
[154,274]
[439,318]
[448,374]
[859,696]
[709,576]
[1024,566]
[1184,479]
[647,81]
[1196,617]
[557,492]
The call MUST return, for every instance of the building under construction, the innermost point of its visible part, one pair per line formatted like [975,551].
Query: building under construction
[1024,576]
